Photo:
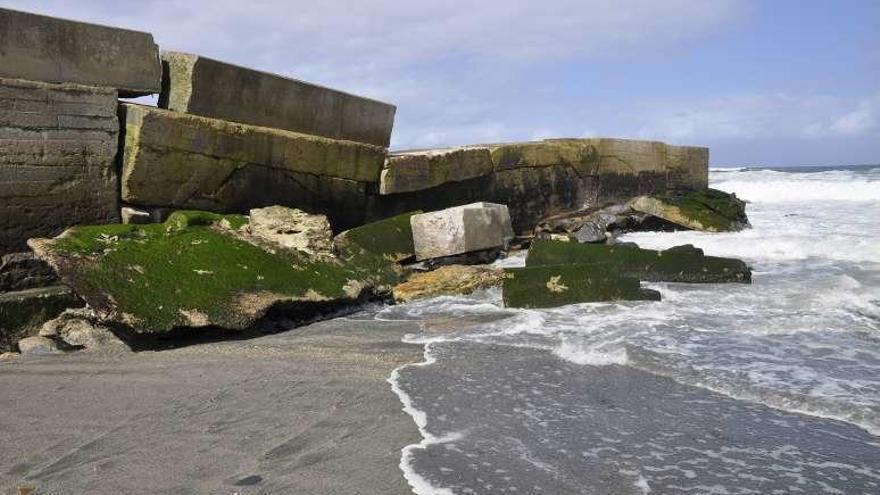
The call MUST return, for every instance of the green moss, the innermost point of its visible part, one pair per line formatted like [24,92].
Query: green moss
[190,218]
[550,286]
[151,276]
[716,210]
[678,264]
[390,238]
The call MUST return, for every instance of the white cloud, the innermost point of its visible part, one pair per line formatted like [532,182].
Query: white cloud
[865,118]
[457,69]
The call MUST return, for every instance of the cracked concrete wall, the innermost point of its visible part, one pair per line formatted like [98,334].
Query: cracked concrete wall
[57,159]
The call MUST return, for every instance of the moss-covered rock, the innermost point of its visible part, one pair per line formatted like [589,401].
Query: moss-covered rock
[447,280]
[678,264]
[23,312]
[710,210]
[557,285]
[197,269]
[376,249]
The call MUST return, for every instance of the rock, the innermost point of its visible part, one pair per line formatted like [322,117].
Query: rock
[710,210]
[558,285]
[55,50]
[57,158]
[181,161]
[8,356]
[461,229]
[483,257]
[201,86]
[447,280]
[35,346]
[79,328]
[378,248]
[20,271]
[198,269]
[678,264]
[291,228]
[416,170]
[23,312]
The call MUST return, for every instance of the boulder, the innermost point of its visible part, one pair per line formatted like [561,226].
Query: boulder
[198,269]
[461,229]
[79,328]
[23,312]
[710,210]
[291,228]
[202,86]
[49,49]
[447,280]
[58,146]
[182,161]
[558,285]
[379,248]
[35,346]
[678,264]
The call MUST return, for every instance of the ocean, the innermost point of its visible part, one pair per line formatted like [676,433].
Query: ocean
[772,387]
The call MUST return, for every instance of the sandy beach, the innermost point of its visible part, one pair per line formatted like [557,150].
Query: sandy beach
[304,411]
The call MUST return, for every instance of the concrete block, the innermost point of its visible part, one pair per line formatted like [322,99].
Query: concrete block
[416,170]
[184,161]
[58,146]
[202,86]
[49,49]
[461,229]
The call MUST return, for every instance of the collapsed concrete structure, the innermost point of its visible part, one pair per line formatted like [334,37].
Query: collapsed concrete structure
[229,139]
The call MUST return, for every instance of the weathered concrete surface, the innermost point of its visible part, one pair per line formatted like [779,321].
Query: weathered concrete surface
[417,170]
[308,411]
[538,179]
[710,210]
[186,161]
[55,50]
[292,228]
[23,312]
[58,143]
[206,87]
[461,229]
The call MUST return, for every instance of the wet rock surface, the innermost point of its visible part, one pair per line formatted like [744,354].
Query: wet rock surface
[558,285]
[447,280]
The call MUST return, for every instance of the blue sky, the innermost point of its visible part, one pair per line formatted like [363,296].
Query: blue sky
[773,82]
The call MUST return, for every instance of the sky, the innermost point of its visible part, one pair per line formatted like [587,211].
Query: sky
[760,82]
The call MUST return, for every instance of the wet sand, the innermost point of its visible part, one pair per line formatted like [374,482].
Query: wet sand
[304,411]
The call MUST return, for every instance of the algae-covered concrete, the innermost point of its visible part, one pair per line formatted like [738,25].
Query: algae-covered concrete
[49,49]
[191,162]
[58,143]
[678,264]
[210,88]
[558,285]
[710,210]
[22,312]
[197,269]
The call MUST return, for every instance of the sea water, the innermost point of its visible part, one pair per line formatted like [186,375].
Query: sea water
[772,387]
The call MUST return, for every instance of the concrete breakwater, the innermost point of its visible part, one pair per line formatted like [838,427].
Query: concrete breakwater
[228,139]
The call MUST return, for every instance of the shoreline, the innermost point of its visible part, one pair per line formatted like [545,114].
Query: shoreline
[308,410]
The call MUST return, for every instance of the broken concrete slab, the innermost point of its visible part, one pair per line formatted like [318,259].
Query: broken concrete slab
[188,162]
[709,210]
[558,285]
[461,229]
[23,312]
[679,264]
[198,269]
[416,170]
[377,249]
[58,146]
[48,49]
[210,88]
[447,280]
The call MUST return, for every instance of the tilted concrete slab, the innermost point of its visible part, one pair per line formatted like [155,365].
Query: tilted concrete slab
[185,161]
[417,170]
[461,229]
[206,87]
[58,145]
[49,49]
